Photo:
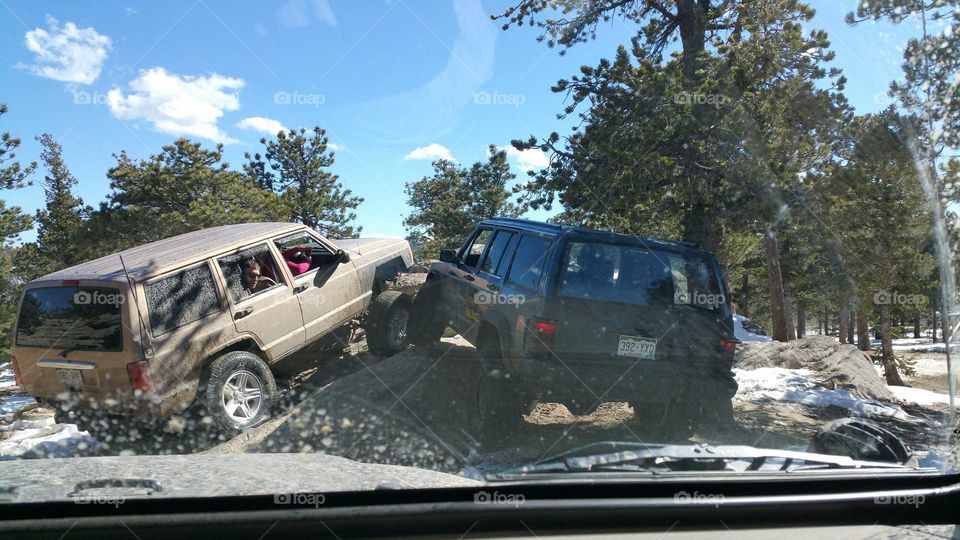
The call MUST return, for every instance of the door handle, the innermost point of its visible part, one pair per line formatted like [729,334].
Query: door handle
[468,277]
[300,288]
[243,312]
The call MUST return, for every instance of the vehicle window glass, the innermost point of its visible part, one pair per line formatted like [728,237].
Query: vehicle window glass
[472,254]
[528,263]
[302,253]
[492,259]
[82,318]
[181,298]
[635,275]
[250,272]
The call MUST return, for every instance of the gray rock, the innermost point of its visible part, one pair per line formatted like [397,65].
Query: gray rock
[835,365]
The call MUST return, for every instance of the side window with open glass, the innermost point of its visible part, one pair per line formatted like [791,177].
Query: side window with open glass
[303,254]
[250,272]
[472,252]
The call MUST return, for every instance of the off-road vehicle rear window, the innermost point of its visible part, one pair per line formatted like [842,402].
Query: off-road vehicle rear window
[635,275]
[76,318]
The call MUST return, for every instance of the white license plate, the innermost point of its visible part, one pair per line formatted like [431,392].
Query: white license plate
[637,347]
[70,377]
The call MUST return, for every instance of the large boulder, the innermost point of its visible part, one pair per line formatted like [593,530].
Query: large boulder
[833,364]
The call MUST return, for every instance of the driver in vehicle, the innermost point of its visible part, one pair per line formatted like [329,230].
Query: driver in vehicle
[253,282]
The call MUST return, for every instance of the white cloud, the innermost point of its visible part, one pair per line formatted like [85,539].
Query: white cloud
[529,159]
[66,53]
[178,105]
[335,147]
[430,152]
[268,126]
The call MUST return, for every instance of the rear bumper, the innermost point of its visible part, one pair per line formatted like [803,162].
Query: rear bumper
[624,379]
[146,409]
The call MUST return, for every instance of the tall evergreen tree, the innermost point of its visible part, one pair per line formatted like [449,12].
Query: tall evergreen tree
[13,221]
[296,166]
[60,223]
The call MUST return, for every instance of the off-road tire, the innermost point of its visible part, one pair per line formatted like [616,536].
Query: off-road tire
[428,317]
[388,323]
[247,372]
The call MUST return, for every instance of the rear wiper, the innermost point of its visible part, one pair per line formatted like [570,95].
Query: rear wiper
[659,458]
[65,352]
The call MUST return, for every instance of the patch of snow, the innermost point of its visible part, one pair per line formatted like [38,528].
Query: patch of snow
[795,385]
[919,395]
[7,377]
[44,438]
[12,404]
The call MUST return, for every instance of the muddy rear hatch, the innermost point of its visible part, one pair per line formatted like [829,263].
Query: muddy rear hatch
[71,346]
[637,323]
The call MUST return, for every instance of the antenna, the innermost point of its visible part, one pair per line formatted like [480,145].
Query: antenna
[145,345]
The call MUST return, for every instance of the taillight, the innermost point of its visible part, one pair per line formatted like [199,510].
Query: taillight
[545,327]
[728,345]
[16,371]
[539,335]
[139,374]
[70,283]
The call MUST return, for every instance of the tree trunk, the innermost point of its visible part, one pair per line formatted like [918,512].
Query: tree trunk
[851,327]
[863,332]
[889,360]
[801,320]
[844,321]
[743,305]
[775,282]
[916,325]
[933,317]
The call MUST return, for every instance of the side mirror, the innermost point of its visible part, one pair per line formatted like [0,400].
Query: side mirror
[342,256]
[449,256]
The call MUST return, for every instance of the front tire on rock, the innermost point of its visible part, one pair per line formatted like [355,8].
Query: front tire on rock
[240,391]
[389,322]
[429,322]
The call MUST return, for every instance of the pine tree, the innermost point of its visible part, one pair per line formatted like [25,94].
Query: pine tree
[12,222]
[183,188]
[296,166]
[449,203]
[60,222]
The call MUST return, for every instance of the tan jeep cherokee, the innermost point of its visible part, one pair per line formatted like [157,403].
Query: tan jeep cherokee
[202,316]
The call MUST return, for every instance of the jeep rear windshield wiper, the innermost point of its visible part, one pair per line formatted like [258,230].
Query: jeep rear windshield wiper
[659,458]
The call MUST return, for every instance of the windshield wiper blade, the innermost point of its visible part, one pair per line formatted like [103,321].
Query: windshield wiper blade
[654,458]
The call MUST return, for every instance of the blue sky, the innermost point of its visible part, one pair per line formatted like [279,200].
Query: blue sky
[396,83]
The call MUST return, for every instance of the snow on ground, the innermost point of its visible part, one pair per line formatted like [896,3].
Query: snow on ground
[919,396]
[795,385]
[43,438]
[13,403]
[7,378]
